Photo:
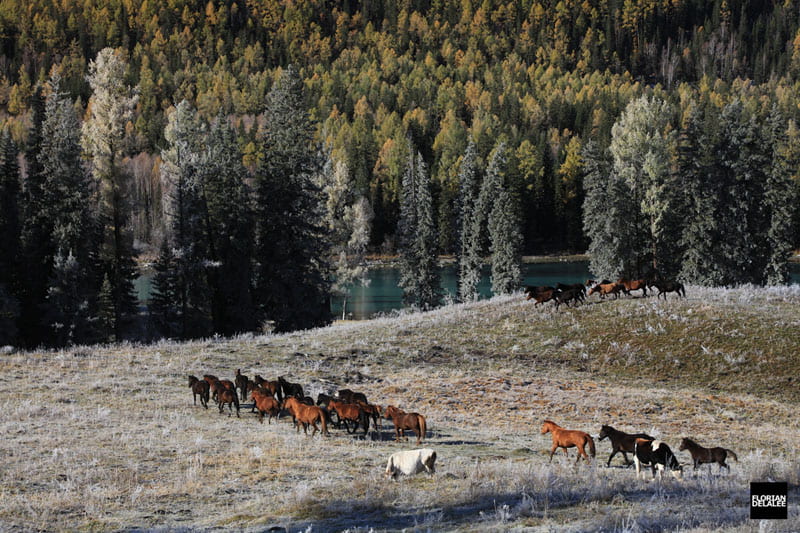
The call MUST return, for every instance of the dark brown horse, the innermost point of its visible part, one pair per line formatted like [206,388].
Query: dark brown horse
[348,396]
[621,442]
[199,388]
[701,455]
[265,403]
[569,296]
[544,296]
[531,291]
[290,389]
[669,286]
[229,397]
[403,421]
[568,438]
[241,383]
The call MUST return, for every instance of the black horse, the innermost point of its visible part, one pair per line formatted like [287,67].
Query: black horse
[621,442]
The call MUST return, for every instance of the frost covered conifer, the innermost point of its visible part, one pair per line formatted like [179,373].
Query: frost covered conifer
[504,227]
[469,257]
[111,108]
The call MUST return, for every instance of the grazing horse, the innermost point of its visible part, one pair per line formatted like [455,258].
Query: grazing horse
[669,286]
[199,388]
[702,455]
[241,383]
[290,389]
[633,285]
[604,289]
[349,412]
[621,442]
[403,421]
[265,403]
[657,455]
[228,396]
[567,438]
[307,414]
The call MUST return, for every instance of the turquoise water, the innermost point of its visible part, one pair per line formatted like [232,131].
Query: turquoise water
[383,295]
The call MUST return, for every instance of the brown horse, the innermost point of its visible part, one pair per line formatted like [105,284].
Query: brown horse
[228,396]
[307,414]
[272,386]
[403,421]
[199,388]
[349,412]
[375,412]
[604,289]
[241,383]
[669,286]
[265,403]
[544,296]
[621,442]
[531,291]
[567,438]
[702,455]
[633,285]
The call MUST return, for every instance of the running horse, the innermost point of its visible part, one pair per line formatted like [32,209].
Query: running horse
[567,438]
[621,442]
[701,455]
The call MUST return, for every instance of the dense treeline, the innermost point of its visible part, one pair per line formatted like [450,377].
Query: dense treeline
[546,76]
[176,128]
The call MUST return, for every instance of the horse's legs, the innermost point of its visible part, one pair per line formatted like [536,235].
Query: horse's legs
[552,451]
[613,453]
[627,462]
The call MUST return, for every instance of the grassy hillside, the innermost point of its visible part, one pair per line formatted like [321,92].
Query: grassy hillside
[107,438]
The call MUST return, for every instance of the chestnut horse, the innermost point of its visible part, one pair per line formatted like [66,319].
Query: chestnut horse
[306,414]
[403,421]
[633,285]
[349,412]
[199,388]
[272,386]
[620,442]
[604,289]
[265,403]
[567,438]
[702,455]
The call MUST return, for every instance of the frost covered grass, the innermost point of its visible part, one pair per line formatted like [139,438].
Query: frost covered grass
[107,438]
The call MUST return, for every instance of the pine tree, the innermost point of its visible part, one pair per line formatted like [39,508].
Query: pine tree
[183,212]
[641,146]
[111,109]
[75,233]
[291,274]
[504,233]
[428,288]
[228,222]
[9,239]
[780,195]
[407,230]
[469,257]
[162,308]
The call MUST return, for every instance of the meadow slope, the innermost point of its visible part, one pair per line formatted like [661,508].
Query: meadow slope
[107,438]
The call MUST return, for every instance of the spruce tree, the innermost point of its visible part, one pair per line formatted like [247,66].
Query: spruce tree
[73,283]
[504,232]
[469,257]
[428,287]
[291,273]
[407,230]
[161,307]
[9,239]
[111,108]
[228,221]
[183,210]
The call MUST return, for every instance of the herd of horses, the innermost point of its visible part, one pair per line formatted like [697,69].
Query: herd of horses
[347,408]
[646,450]
[575,293]
[352,410]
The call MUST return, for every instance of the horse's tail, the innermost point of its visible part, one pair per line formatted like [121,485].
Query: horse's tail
[423,427]
[730,452]
[590,442]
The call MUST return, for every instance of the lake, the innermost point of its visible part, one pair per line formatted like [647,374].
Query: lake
[383,295]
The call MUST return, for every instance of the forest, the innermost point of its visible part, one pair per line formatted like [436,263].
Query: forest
[552,107]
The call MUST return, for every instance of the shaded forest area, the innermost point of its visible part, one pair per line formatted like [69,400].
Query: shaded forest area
[545,77]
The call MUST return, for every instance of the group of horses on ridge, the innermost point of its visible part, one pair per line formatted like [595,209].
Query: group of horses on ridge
[575,293]
[646,450]
[273,398]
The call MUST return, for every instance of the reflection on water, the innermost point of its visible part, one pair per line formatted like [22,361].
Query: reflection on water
[383,295]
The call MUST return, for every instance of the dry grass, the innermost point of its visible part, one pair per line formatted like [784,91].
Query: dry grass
[107,438]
